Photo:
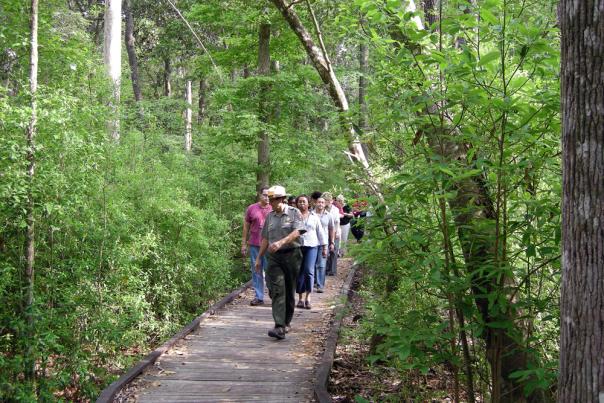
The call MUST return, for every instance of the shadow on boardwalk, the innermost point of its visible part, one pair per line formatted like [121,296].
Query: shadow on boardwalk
[230,357]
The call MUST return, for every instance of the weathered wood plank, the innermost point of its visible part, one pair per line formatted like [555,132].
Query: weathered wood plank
[238,376]
[293,360]
[230,399]
[109,393]
[234,388]
[231,358]
[231,369]
[266,353]
[232,366]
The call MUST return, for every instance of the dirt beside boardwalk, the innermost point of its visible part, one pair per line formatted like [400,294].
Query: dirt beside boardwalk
[353,379]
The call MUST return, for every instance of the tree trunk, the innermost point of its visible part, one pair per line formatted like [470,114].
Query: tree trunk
[30,135]
[130,49]
[8,59]
[113,60]
[188,115]
[363,69]
[276,69]
[275,66]
[473,211]
[264,67]
[475,215]
[320,61]
[167,78]
[581,376]
[203,100]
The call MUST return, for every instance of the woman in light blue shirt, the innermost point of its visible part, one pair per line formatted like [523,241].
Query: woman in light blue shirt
[311,241]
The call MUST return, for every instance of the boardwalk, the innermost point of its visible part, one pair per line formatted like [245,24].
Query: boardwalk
[230,358]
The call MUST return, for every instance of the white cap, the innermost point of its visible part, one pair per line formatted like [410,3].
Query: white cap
[276,191]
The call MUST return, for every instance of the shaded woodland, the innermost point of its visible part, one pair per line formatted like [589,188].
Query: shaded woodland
[133,133]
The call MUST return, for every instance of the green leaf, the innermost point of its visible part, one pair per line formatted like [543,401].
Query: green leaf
[499,324]
[487,16]
[403,352]
[489,57]
[446,170]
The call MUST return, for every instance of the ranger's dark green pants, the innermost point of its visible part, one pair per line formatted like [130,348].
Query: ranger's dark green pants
[281,274]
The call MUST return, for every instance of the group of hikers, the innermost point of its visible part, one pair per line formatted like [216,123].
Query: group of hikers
[296,242]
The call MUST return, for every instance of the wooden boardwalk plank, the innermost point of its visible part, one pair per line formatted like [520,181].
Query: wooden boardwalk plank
[230,358]
[232,367]
[245,375]
[233,387]
[204,399]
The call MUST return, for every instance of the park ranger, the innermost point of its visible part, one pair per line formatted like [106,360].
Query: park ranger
[280,242]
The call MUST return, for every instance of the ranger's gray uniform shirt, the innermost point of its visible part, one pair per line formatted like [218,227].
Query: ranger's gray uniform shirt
[278,226]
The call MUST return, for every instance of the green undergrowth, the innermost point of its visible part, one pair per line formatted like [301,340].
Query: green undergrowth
[131,244]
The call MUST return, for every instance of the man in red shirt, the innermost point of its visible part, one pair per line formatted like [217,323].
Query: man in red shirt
[252,224]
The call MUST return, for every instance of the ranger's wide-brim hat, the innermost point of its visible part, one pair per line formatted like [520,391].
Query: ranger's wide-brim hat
[276,191]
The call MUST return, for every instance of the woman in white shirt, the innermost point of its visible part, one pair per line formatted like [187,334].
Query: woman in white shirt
[311,241]
[328,228]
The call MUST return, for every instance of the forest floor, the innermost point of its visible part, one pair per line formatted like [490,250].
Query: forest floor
[354,379]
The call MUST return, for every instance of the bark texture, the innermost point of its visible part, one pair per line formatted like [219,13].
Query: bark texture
[264,67]
[130,49]
[113,60]
[581,376]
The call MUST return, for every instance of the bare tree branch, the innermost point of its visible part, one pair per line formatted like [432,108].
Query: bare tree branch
[319,35]
[194,34]
[293,3]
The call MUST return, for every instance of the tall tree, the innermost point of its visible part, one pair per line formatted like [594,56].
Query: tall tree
[474,210]
[203,99]
[30,134]
[323,66]
[167,77]
[188,115]
[581,376]
[363,70]
[264,67]
[131,50]
[8,59]
[113,60]
[276,69]
[362,93]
